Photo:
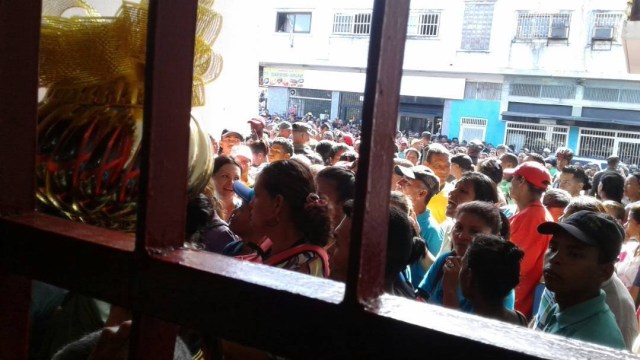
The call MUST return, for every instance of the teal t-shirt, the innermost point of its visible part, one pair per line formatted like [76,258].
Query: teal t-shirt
[590,321]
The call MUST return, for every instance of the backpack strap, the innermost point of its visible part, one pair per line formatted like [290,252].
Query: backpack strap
[262,249]
[289,253]
[265,246]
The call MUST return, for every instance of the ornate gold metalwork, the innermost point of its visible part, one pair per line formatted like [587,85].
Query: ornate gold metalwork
[90,121]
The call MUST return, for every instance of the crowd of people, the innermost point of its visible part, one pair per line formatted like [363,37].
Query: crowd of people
[530,239]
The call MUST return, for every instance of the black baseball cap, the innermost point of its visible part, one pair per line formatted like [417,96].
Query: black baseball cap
[422,173]
[592,228]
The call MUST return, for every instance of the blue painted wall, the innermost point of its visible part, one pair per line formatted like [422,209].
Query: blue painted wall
[574,133]
[489,110]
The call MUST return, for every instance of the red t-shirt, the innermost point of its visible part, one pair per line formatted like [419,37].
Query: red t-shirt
[524,233]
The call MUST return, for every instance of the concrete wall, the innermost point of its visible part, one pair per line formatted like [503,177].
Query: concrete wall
[232,99]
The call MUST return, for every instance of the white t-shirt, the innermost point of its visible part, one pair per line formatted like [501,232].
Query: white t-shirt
[622,306]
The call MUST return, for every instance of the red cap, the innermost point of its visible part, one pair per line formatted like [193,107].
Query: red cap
[258,120]
[347,139]
[534,172]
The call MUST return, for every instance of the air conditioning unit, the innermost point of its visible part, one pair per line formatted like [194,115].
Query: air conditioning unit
[603,33]
[559,32]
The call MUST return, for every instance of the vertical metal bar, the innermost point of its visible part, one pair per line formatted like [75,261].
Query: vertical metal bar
[380,109]
[152,338]
[19,40]
[19,44]
[14,316]
[165,149]
[635,11]
[165,142]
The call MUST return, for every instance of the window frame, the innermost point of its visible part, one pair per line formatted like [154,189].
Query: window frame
[252,304]
[293,26]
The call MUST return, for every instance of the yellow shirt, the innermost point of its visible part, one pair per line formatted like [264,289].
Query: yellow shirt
[438,204]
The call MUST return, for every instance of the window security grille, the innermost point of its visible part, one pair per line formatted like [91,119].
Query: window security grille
[612,95]
[543,91]
[600,144]
[606,26]
[472,128]
[423,23]
[342,23]
[352,23]
[535,137]
[482,91]
[542,26]
[362,24]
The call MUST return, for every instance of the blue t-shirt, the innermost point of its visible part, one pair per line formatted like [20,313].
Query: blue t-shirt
[431,287]
[430,232]
[414,273]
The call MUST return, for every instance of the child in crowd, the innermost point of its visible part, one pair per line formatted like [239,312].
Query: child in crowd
[490,271]
[441,285]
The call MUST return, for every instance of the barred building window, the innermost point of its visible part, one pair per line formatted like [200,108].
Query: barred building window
[357,23]
[606,26]
[476,27]
[542,26]
[543,91]
[423,23]
[482,91]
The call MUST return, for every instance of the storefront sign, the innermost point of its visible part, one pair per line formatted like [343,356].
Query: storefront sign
[282,77]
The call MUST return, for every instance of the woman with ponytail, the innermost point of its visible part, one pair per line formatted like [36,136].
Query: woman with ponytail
[286,209]
[403,248]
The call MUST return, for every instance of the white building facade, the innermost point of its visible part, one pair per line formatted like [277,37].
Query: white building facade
[530,74]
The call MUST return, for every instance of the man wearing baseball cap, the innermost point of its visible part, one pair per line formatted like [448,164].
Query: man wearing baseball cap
[258,124]
[301,137]
[420,184]
[529,181]
[229,139]
[581,256]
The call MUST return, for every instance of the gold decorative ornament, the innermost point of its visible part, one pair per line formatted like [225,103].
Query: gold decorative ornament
[90,120]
